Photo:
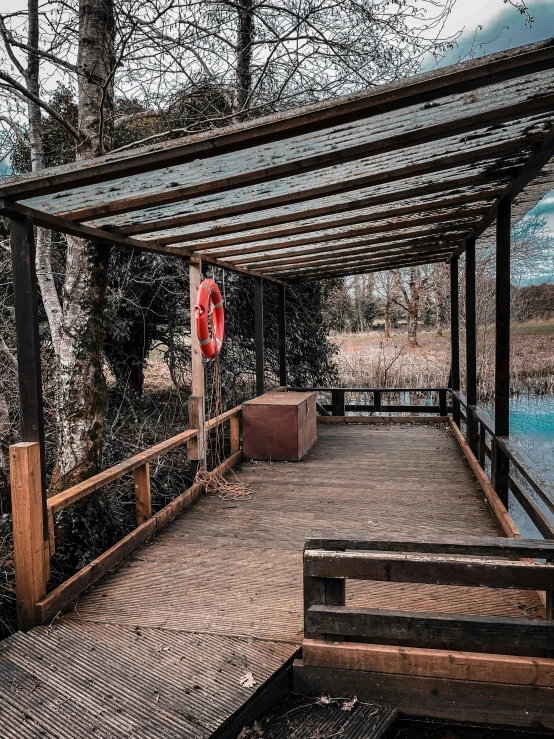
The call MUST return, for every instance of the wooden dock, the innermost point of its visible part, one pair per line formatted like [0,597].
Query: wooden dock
[183,638]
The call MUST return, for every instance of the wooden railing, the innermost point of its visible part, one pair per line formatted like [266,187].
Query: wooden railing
[485,446]
[32,557]
[339,407]
[330,558]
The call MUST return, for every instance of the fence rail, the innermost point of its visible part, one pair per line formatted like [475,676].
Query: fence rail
[468,562]
[32,553]
[339,406]
[484,449]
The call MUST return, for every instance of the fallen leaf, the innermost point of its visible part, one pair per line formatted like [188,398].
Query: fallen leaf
[349,705]
[249,732]
[247,681]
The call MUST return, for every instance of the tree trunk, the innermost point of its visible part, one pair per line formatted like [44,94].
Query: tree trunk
[45,275]
[387,317]
[439,302]
[245,35]
[413,308]
[81,386]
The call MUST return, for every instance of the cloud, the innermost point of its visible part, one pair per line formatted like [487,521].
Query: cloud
[504,30]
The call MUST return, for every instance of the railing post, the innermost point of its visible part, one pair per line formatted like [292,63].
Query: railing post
[442,403]
[322,591]
[501,463]
[472,431]
[234,423]
[259,333]
[482,446]
[196,447]
[377,401]
[455,338]
[282,336]
[143,498]
[28,531]
[337,402]
[28,352]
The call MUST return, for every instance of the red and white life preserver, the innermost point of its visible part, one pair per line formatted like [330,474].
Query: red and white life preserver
[208,292]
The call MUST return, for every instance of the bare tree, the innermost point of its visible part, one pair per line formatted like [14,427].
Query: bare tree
[385,286]
[441,288]
[411,284]
[133,61]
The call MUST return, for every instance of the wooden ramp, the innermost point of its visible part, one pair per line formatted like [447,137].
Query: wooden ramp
[191,627]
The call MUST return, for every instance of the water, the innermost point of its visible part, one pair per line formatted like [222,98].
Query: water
[532,430]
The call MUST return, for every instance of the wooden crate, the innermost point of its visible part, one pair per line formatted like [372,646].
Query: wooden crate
[279,426]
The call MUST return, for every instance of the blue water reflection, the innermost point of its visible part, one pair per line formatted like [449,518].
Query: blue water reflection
[532,430]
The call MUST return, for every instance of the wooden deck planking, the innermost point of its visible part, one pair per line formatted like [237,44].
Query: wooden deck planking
[219,593]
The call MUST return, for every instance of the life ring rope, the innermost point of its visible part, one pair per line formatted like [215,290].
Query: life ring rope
[209,293]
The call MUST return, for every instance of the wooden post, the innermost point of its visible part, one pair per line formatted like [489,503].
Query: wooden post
[472,433]
[28,351]
[482,446]
[142,493]
[196,447]
[377,401]
[455,338]
[501,463]
[442,403]
[234,423]
[282,336]
[337,402]
[31,572]
[259,333]
[322,591]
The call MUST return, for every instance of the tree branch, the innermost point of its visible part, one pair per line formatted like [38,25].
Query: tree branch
[45,106]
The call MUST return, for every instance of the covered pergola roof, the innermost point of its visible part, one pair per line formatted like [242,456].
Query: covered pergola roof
[401,175]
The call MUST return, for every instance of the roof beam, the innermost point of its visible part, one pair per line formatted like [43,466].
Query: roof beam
[300,271]
[486,179]
[531,169]
[347,206]
[423,88]
[388,226]
[393,249]
[397,233]
[60,225]
[187,192]
[326,275]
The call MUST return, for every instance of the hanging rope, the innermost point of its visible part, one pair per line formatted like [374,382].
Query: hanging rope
[214,482]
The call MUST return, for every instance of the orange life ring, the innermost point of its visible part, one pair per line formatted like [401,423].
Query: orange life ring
[208,292]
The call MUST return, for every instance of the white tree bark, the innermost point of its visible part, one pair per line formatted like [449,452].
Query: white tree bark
[81,386]
[45,275]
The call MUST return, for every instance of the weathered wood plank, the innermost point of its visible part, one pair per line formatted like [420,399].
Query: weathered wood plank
[77,492]
[444,631]
[466,545]
[142,493]
[526,706]
[51,604]
[28,530]
[452,665]
[429,568]
[459,79]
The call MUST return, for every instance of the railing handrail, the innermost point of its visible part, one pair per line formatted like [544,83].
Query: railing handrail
[370,389]
[522,464]
[32,551]
[81,490]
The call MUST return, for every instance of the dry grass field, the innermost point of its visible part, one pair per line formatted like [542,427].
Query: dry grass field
[369,360]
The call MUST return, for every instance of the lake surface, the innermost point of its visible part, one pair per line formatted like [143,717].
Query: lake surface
[532,430]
